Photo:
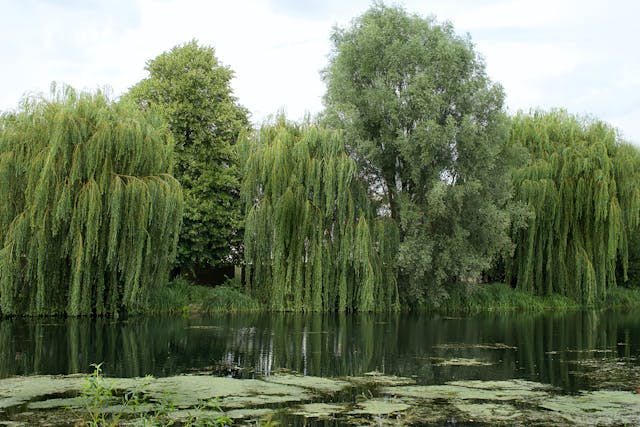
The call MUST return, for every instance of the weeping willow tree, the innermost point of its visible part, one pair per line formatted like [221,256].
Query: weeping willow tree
[312,238]
[89,215]
[582,185]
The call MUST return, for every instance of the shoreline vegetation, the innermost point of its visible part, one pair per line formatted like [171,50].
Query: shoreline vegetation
[184,298]
[180,297]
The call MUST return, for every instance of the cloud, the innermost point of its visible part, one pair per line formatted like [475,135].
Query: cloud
[582,55]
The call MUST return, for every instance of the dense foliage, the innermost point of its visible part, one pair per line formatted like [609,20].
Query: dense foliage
[427,128]
[582,184]
[89,216]
[191,89]
[415,187]
[312,241]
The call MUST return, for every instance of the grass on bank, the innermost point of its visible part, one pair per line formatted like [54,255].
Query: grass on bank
[499,297]
[182,296]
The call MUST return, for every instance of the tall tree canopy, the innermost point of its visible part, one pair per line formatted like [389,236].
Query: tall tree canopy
[427,128]
[312,240]
[582,184]
[191,88]
[89,215]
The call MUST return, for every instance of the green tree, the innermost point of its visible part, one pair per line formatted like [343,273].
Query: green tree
[581,183]
[312,240]
[89,215]
[192,90]
[427,128]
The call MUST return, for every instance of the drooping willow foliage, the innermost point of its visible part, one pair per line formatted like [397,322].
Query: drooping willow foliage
[312,238]
[583,187]
[89,215]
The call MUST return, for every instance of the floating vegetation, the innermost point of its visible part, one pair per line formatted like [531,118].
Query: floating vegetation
[319,410]
[459,361]
[324,385]
[230,393]
[381,406]
[602,407]
[19,390]
[591,351]
[45,399]
[490,412]
[380,379]
[206,327]
[483,346]
[609,373]
[512,390]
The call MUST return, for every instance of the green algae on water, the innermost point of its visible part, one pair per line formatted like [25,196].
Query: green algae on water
[386,400]
[379,379]
[325,385]
[380,406]
[319,410]
[460,361]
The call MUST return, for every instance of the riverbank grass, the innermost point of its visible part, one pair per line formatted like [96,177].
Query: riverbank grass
[183,297]
[500,297]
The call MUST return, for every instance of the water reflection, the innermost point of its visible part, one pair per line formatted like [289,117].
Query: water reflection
[542,348]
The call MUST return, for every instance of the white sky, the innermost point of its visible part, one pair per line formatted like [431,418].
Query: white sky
[582,55]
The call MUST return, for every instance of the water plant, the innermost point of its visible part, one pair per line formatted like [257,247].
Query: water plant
[99,396]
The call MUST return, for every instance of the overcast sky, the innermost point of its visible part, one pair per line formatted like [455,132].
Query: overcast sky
[582,55]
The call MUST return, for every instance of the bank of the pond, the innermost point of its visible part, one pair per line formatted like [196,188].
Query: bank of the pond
[500,297]
[184,297]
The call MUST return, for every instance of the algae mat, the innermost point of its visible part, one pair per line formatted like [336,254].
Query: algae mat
[374,399]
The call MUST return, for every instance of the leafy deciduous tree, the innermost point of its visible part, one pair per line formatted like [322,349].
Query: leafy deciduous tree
[428,130]
[312,241]
[89,215]
[192,90]
[582,184]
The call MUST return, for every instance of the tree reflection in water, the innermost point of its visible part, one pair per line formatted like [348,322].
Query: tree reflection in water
[542,347]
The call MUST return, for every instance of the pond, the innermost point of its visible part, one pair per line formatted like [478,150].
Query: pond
[569,368]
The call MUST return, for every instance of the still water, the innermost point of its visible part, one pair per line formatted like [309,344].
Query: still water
[547,348]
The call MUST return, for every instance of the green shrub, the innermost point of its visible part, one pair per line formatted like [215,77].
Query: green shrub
[471,297]
[182,296]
